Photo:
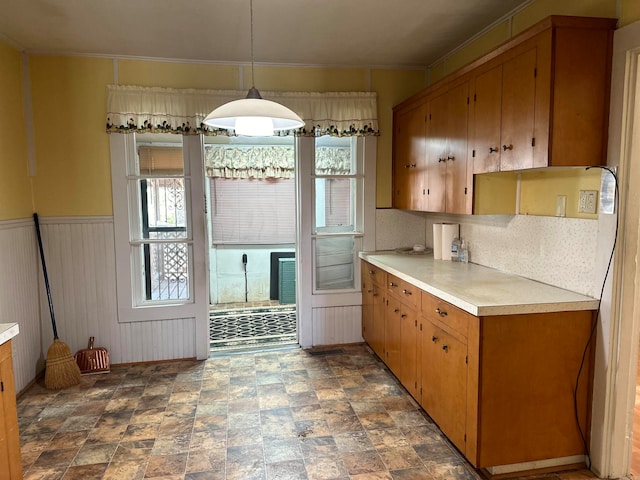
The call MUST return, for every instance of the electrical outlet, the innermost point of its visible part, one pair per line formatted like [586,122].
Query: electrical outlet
[588,201]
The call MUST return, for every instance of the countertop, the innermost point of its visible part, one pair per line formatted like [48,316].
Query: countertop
[8,331]
[479,290]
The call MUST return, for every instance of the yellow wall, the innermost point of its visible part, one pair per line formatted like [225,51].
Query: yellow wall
[73,172]
[72,154]
[15,187]
[524,19]
[72,148]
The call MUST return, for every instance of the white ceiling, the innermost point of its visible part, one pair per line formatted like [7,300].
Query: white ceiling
[395,33]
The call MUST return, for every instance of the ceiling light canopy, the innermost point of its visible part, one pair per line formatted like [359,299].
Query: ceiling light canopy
[253,116]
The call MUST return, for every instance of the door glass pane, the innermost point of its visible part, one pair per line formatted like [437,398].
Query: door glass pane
[166,272]
[335,201]
[334,156]
[164,202]
[334,263]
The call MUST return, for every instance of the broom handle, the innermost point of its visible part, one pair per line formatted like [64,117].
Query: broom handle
[46,278]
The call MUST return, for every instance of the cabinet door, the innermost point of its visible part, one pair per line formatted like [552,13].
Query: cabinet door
[437,153]
[9,435]
[409,350]
[367,308]
[392,336]
[456,159]
[409,159]
[486,121]
[444,381]
[518,111]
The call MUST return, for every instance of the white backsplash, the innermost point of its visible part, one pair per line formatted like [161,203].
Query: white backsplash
[399,228]
[553,250]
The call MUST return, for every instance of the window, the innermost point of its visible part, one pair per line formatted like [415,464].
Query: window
[337,232]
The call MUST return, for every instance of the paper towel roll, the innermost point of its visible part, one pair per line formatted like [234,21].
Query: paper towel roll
[449,232]
[437,241]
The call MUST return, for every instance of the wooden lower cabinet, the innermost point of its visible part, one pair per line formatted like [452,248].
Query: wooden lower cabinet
[444,381]
[10,460]
[500,387]
[373,307]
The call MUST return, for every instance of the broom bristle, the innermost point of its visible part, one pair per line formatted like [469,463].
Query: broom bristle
[61,368]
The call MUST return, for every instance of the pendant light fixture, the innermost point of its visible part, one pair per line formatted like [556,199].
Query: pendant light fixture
[253,116]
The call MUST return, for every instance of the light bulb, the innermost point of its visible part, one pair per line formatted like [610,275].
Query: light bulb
[254,126]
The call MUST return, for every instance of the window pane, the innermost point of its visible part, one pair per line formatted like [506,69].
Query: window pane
[335,199]
[164,201]
[167,277]
[334,263]
[158,159]
[334,156]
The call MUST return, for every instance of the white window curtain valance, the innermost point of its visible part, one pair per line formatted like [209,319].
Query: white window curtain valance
[164,110]
[270,161]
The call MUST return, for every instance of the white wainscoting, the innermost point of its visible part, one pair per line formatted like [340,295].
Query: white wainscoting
[81,265]
[336,325]
[80,262]
[19,293]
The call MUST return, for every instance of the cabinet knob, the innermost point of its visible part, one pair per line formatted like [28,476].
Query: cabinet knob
[442,160]
[493,150]
[413,165]
[507,147]
[445,348]
[403,315]
[369,291]
[442,313]
[451,158]
[396,310]
[392,284]
[434,339]
[372,272]
[375,294]
[406,292]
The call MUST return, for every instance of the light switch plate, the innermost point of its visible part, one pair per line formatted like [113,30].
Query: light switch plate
[561,206]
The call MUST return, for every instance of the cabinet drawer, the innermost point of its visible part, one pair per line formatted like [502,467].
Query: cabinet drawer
[445,313]
[373,273]
[407,293]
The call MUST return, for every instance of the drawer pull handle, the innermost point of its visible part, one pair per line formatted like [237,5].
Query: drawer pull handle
[442,313]
[445,348]
[507,147]
[434,339]
[406,292]
[451,158]
[393,284]
[492,150]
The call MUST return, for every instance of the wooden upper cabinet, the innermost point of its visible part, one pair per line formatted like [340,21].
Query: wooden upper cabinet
[518,110]
[541,99]
[436,172]
[485,133]
[409,160]
[447,150]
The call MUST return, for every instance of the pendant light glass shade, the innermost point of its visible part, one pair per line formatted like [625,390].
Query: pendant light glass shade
[254,116]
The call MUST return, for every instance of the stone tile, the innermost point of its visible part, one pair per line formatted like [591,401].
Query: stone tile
[165,465]
[82,472]
[95,453]
[362,462]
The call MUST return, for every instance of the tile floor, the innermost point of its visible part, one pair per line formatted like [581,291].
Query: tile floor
[286,414]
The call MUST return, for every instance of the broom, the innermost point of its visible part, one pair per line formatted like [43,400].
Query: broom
[61,370]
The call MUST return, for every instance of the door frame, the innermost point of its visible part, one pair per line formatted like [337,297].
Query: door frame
[617,360]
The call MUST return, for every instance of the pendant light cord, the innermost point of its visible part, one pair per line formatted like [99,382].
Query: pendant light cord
[253,83]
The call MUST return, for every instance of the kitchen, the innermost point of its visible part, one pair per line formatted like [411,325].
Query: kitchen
[79,210]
